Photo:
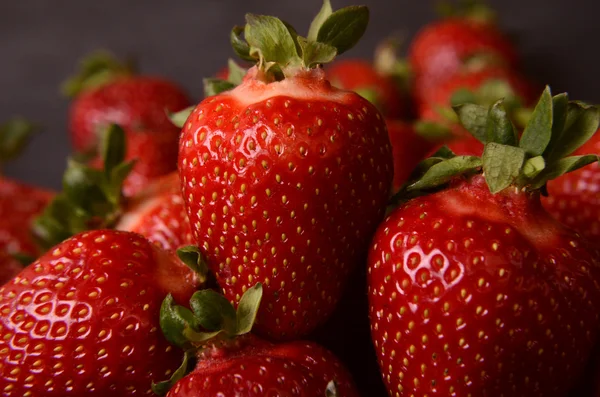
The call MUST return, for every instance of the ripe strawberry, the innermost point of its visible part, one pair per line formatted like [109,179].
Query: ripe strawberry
[108,92]
[273,171]
[158,213]
[231,361]
[476,290]
[361,77]
[441,48]
[574,198]
[83,318]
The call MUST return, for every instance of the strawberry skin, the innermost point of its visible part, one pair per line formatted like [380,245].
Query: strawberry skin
[574,198]
[273,176]
[135,103]
[19,204]
[359,75]
[441,48]
[249,366]
[480,294]
[83,318]
[158,213]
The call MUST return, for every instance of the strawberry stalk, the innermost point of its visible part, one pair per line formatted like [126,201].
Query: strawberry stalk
[91,198]
[209,317]
[556,128]
[95,70]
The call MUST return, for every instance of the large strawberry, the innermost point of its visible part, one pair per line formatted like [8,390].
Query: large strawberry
[83,320]
[574,198]
[274,172]
[19,202]
[232,362]
[442,47]
[108,92]
[475,289]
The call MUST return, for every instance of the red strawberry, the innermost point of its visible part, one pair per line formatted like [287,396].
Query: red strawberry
[83,318]
[574,198]
[230,361]
[362,77]
[274,171]
[476,289]
[441,48]
[159,215]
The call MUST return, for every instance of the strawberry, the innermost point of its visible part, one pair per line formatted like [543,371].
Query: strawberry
[83,319]
[230,361]
[475,289]
[108,92]
[361,76]
[274,170]
[442,47]
[574,198]
[159,215]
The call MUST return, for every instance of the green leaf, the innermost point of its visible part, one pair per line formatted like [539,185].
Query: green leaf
[199,337]
[580,125]
[474,119]
[443,172]
[499,127]
[194,259]
[561,167]
[462,96]
[173,321]
[236,73]
[248,308]
[241,48]
[213,311]
[314,53]
[318,21]
[560,108]
[493,90]
[432,131]
[444,152]
[501,165]
[538,131]
[270,40]
[178,119]
[533,167]
[54,224]
[82,186]
[162,388]
[214,86]
[112,147]
[344,28]
[14,135]
[113,188]
[331,390]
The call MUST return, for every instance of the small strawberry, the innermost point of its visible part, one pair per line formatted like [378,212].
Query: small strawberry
[83,320]
[108,92]
[233,362]
[475,289]
[274,171]
[574,198]
[443,47]
[158,213]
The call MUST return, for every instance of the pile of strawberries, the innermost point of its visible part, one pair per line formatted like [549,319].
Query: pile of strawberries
[313,227]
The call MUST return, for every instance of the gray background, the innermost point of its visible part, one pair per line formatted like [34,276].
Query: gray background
[186,40]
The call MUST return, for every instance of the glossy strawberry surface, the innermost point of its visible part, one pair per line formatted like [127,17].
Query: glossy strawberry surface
[574,198]
[83,319]
[252,367]
[441,48]
[362,77]
[284,183]
[480,294]
[158,213]
[19,204]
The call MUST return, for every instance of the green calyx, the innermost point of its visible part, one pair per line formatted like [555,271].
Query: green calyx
[474,10]
[210,316]
[14,136]
[95,70]
[91,198]
[556,128]
[278,49]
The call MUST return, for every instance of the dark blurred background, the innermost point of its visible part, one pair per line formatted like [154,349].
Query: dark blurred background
[186,40]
